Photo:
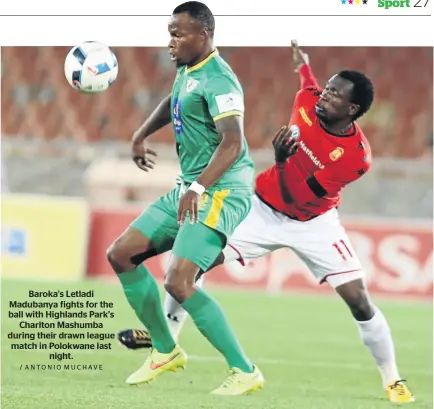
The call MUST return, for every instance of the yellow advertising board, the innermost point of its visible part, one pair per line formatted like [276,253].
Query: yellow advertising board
[44,237]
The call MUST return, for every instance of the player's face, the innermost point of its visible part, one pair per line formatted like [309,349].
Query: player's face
[187,39]
[335,101]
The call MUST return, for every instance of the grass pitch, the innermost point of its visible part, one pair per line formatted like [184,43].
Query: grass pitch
[307,347]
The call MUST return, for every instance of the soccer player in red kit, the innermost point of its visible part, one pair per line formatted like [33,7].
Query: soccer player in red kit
[320,152]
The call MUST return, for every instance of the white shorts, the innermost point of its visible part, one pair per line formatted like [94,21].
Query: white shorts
[321,243]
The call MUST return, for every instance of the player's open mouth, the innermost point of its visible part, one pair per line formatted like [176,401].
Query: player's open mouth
[319,108]
[172,56]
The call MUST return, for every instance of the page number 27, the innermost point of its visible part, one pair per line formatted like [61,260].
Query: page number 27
[418,3]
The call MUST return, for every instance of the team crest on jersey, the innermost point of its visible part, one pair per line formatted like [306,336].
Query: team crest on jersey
[336,154]
[203,201]
[192,84]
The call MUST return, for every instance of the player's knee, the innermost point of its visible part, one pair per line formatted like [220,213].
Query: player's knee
[173,288]
[178,286]
[111,254]
[116,256]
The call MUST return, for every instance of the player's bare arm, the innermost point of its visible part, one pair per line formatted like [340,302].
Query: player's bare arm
[231,131]
[301,65]
[231,146]
[159,118]
[299,57]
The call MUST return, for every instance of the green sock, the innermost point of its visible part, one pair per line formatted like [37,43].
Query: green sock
[212,323]
[142,293]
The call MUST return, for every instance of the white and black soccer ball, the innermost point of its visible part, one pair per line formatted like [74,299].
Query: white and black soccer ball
[91,67]
[295,132]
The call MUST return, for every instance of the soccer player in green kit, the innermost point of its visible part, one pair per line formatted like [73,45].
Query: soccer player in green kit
[196,218]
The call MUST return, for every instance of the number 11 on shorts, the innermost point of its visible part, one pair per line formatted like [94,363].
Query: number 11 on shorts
[343,250]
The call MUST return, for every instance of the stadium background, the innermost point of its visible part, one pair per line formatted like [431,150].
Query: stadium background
[58,144]
[69,187]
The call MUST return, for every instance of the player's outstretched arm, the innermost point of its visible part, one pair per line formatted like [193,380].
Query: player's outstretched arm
[301,64]
[161,116]
[231,146]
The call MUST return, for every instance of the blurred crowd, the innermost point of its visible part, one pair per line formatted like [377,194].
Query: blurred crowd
[37,102]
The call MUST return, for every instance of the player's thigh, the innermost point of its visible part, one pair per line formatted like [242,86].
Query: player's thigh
[220,212]
[326,249]
[159,221]
[131,241]
[199,244]
[256,235]
[224,209]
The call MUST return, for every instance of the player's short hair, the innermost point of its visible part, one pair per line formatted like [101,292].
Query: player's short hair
[199,12]
[363,90]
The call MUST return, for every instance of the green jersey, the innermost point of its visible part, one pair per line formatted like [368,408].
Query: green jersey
[201,95]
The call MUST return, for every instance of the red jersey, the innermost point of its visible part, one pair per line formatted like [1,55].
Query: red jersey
[323,164]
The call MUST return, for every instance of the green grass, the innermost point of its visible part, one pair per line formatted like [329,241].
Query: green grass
[307,347]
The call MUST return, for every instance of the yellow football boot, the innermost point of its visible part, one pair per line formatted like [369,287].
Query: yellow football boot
[158,363]
[240,383]
[398,392]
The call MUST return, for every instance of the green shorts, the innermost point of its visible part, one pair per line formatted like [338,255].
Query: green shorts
[220,212]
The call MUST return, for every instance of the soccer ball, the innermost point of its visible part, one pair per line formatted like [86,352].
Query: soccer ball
[91,67]
[295,132]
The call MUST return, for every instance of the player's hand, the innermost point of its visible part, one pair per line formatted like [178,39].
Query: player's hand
[141,155]
[189,203]
[285,145]
[298,56]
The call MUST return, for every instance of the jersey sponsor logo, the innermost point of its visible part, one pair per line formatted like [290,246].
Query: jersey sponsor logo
[192,84]
[336,154]
[311,156]
[229,102]
[177,121]
[304,116]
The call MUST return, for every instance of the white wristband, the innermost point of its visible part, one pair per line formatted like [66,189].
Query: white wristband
[195,187]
